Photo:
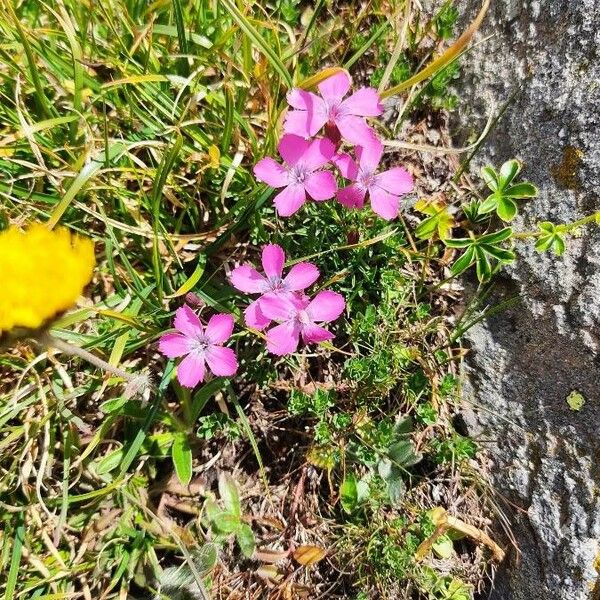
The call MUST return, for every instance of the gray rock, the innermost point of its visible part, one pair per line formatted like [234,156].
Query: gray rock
[525,361]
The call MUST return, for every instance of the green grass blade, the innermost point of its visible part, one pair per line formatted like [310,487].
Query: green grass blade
[372,39]
[181,37]
[40,96]
[258,41]
[165,167]
[15,560]
[84,175]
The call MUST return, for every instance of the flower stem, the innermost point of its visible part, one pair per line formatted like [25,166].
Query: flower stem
[52,342]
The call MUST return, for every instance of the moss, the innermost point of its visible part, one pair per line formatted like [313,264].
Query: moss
[566,173]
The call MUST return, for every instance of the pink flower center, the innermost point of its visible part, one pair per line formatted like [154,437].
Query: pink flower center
[276,284]
[334,111]
[302,317]
[200,344]
[365,179]
[298,174]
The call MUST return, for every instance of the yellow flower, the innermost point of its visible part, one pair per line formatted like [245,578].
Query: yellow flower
[42,273]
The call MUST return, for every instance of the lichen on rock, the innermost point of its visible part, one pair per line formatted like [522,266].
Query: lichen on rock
[524,362]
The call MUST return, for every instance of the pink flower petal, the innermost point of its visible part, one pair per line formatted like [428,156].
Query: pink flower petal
[292,148]
[346,165]
[364,103]
[221,361]
[319,153]
[273,259]
[219,328]
[351,196]
[326,306]
[354,129]
[321,185]
[277,307]
[188,322]
[301,276]
[302,100]
[254,317]
[174,345]
[191,370]
[313,334]
[386,205]
[283,339]
[248,280]
[334,88]
[290,200]
[298,122]
[310,116]
[369,155]
[396,181]
[271,172]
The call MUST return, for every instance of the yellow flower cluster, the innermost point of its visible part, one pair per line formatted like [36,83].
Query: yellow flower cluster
[42,273]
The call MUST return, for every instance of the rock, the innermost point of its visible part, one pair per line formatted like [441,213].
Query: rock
[526,361]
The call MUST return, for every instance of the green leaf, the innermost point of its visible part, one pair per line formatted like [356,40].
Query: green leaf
[496,236]
[489,175]
[225,522]
[551,238]
[505,256]
[558,245]
[211,510]
[507,209]
[464,262]
[508,171]
[229,494]
[396,489]
[443,547]
[458,242]
[349,493]
[490,203]
[110,461]
[547,226]
[205,558]
[245,539]
[403,426]
[181,453]
[544,243]
[403,453]
[193,279]
[204,394]
[15,561]
[521,190]
[482,264]
[426,228]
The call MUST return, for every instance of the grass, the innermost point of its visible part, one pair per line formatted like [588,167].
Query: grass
[137,124]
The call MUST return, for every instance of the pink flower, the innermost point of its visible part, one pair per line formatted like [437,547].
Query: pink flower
[384,188]
[200,346]
[299,317]
[312,111]
[300,175]
[250,281]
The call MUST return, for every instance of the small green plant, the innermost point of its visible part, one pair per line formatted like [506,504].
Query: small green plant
[215,424]
[504,191]
[551,238]
[487,252]
[454,449]
[446,587]
[445,20]
[226,519]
